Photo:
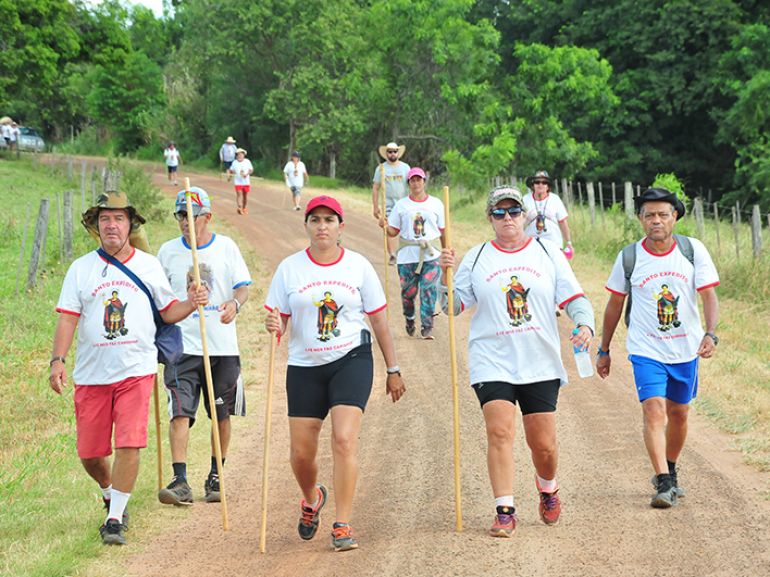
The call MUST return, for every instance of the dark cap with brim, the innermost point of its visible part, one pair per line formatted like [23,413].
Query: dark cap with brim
[660,195]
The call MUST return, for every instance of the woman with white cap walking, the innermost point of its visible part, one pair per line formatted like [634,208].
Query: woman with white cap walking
[241,169]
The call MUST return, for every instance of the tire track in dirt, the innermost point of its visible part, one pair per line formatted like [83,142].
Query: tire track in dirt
[404,509]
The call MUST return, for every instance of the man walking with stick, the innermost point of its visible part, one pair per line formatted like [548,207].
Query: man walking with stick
[114,370]
[225,275]
[662,274]
[395,178]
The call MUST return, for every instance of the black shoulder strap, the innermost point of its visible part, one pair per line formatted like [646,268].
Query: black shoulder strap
[537,238]
[478,254]
[112,260]
[629,262]
[685,247]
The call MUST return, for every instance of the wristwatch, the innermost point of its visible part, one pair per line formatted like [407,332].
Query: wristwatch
[394,370]
[713,338]
[237,305]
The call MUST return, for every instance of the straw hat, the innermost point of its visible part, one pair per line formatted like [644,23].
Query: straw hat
[113,199]
[391,145]
[243,150]
[229,140]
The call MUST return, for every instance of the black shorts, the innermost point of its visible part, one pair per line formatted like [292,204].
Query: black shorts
[226,164]
[186,381]
[312,391]
[171,169]
[537,397]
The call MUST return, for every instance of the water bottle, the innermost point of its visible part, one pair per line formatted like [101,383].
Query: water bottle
[582,360]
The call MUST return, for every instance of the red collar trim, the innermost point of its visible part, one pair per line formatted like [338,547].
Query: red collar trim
[644,246]
[505,250]
[133,252]
[342,253]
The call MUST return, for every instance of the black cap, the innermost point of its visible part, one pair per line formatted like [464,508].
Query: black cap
[660,194]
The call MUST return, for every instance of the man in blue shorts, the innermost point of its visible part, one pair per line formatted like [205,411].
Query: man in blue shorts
[665,337]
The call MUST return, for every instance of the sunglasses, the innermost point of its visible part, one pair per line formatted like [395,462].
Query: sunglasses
[499,213]
[392,151]
[541,182]
[181,216]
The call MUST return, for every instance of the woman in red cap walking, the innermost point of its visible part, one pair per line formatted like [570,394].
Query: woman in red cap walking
[328,291]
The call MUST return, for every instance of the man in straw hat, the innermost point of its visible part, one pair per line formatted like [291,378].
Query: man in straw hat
[116,358]
[224,273]
[241,169]
[395,186]
[662,274]
[227,154]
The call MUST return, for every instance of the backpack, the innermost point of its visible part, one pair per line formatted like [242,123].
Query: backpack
[629,261]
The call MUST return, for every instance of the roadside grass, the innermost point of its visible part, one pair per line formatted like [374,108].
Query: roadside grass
[50,510]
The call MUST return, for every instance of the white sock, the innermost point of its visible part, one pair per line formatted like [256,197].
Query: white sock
[118,504]
[504,501]
[547,486]
[106,491]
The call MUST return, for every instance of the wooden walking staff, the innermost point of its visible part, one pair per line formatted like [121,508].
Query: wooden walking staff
[266,450]
[385,237]
[453,365]
[206,360]
[158,441]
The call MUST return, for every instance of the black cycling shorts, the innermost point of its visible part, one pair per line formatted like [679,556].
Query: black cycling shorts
[312,391]
[540,397]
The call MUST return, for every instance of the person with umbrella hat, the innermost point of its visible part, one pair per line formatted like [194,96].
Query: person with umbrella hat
[114,371]
[546,213]
[662,274]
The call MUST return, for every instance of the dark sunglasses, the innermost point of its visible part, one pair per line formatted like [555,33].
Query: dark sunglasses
[180,216]
[541,182]
[499,213]
[392,151]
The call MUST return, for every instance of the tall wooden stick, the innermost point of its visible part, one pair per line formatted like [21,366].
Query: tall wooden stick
[385,237]
[206,360]
[158,440]
[453,365]
[266,450]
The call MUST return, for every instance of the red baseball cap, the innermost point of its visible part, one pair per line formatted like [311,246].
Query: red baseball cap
[328,202]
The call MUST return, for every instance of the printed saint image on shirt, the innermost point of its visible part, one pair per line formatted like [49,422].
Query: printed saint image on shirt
[114,317]
[516,302]
[328,310]
[418,225]
[207,276]
[668,310]
[540,222]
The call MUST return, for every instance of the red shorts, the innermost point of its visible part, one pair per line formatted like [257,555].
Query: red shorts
[124,404]
[244,188]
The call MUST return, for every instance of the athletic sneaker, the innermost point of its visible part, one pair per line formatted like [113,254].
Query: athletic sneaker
[308,520]
[426,334]
[504,524]
[679,490]
[550,505]
[211,488]
[666,493]
[178,492]
[342,537]
[297,208]
[125,513]
[112,532]
[410,328]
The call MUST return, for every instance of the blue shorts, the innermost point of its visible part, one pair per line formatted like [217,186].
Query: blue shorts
[677,382]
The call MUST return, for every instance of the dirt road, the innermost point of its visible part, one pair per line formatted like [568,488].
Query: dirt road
[404,510]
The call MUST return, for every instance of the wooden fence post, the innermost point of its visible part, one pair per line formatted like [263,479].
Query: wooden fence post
[756,231]
[68,225]
[565,193]
[59,225]
[629,199]
[580,192]
[697,207]
[716,226]
[38,247]
[736,219]
[591,202]
[614,199]
[601,197]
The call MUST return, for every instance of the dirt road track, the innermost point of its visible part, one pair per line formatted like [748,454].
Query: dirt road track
[404,510]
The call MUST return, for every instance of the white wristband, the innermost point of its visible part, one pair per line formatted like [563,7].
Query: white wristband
[237,305]
[394,370]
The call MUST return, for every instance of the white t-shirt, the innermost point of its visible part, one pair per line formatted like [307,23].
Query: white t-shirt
[395,182]
[514,335]
[423,220]
[241,165]
[116,330]
[554,211]
[172,156]
[665,324]
[222,270]
[295,176]
[325,327]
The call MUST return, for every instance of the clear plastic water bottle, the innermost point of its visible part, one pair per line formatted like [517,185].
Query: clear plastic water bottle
[582,360]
